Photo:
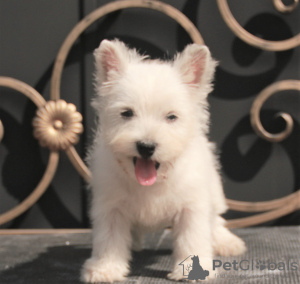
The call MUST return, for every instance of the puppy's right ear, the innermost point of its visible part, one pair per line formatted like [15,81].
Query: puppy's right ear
[110,59]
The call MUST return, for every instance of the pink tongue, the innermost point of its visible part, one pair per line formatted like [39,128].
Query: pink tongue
[145,171]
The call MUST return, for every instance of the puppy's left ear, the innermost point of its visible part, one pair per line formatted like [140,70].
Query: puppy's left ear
[196,66]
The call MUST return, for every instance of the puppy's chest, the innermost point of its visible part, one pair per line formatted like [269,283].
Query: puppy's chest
[151,210]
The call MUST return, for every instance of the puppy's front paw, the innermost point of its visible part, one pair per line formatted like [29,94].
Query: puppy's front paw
[98,270]
[176,274]
[236,247]
[230,245]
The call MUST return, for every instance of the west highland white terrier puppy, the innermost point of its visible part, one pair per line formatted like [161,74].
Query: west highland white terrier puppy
[151,162]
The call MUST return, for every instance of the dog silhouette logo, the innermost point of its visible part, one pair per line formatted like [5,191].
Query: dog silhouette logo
[191,265]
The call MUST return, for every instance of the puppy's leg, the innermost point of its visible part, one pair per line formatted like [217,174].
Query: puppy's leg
[224,242]
[137,238]
[192,236]
[111,249]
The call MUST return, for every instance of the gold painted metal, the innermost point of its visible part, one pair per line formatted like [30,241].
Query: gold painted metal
[23,88]
[282,206]
[281,7]
[39,101]
[78,164]
[1,131]
[250,38]
[289,207]
[263,205]
[260,100]
[57,125]
[89,20]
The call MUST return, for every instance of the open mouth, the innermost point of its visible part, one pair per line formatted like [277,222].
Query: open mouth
[145,170]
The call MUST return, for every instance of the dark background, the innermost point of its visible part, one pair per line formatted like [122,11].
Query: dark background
[31,33]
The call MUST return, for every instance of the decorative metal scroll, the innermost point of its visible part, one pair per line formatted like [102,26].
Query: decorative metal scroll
[282,206]
[39,101]
[1,131]
[254,40]
[57,124]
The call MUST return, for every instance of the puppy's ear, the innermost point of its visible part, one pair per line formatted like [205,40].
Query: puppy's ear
[111,59]
[196,65]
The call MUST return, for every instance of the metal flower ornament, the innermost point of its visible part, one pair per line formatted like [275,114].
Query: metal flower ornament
[57,125]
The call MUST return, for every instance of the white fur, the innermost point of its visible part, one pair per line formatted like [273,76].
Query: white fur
[188,194]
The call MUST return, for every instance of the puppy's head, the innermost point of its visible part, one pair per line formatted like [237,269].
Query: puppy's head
[151,110]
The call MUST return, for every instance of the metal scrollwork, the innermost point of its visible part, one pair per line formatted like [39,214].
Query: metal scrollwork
[249,38]
[39,101]
[281,7]
[279,207]
[1,131]
[258,103]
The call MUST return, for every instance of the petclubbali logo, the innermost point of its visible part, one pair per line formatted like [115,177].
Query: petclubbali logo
[192,268]
[245,264]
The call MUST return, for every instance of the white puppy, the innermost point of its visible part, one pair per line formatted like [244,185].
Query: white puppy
[151,162]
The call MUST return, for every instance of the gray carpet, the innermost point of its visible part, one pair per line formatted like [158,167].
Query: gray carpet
[57,258]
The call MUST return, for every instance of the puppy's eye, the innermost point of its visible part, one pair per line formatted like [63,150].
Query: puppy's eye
[171,117]
[127,113]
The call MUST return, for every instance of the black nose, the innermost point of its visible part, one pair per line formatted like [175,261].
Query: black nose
[146,150]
